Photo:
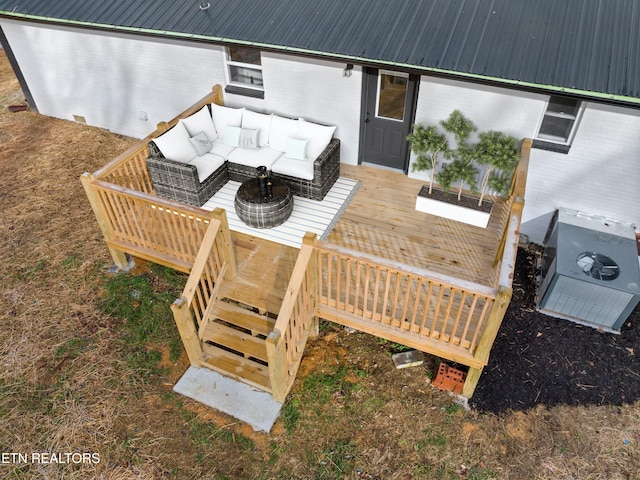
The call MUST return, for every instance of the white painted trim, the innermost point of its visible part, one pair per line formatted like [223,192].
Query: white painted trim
[452,212]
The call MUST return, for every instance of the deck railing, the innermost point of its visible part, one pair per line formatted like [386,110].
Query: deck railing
[422,309]
[149,226]
[192,310]
[133,219]
[295,323]
[445,316]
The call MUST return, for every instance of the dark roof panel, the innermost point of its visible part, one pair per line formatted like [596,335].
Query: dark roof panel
[590,46]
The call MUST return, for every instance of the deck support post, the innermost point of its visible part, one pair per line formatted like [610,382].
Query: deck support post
[489,334]
[225,244]
[277,365]
[119,257]
[309,239]
[187,329]
[218,97]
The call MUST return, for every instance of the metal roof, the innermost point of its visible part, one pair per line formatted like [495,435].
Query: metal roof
[584,47]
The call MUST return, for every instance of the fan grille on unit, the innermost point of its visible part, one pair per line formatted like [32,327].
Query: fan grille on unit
[598,266]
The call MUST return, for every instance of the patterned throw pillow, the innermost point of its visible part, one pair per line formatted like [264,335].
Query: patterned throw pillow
[201,143]
[249,138]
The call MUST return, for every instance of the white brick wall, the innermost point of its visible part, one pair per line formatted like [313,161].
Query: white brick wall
[314,90]
[110,79]
[489,108]
[600,174]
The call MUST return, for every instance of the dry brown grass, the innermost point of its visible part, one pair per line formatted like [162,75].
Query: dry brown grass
[64,386]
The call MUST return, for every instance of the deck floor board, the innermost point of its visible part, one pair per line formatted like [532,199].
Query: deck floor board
[380,220]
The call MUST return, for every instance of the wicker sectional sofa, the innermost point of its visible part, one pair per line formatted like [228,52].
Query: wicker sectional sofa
[194,159]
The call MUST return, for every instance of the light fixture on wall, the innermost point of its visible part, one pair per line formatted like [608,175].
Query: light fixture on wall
[204,4]
[347,70]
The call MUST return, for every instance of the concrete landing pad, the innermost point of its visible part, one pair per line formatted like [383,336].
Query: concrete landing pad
[252,406]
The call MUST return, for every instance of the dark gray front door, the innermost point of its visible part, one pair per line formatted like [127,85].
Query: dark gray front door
[388,110]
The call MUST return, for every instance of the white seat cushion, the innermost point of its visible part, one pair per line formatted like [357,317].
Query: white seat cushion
[223,116]
[175,145]
[250,157]
[206,164]
[319,137]
[281,130]
[201,121]
[219,148]
[294,168]
[258,121]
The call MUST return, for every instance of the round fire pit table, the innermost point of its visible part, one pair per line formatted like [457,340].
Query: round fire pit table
[263,212]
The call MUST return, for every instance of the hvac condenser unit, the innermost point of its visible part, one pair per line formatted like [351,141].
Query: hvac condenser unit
[590,271]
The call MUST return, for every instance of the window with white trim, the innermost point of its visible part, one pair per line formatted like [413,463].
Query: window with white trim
[559,123]
[244,67]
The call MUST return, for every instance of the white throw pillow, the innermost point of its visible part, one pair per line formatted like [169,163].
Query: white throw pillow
[201,121]
[223,116]
[175,145]
[282,129]
[293,168]
[201,143]
[297,149]
[249,138]
[259,121]
[231,136]
[319,137]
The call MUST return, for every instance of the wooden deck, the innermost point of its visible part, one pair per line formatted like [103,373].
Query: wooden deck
[433,284]
[381,220]
[264,270]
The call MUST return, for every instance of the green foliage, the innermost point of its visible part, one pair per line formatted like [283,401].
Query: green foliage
[291,414]
[460,126]
[143,302]
[460,169]
[392,347]
[432,438]
[337,461]
[427,144]
[496,150]
[499,152]
[320,386]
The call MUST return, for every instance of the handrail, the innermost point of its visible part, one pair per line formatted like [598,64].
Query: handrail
[466,285]
[206,316]
[516,203]
[148,226]
[203,265]
[424,309]
[215,96]
[193,308]
[506,255]
[285,344]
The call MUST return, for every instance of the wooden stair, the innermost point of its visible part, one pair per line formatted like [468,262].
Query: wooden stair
[233,342]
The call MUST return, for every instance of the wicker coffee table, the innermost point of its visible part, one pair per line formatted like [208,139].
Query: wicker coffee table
[263,212]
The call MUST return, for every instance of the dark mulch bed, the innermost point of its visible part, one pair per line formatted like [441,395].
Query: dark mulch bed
[538,359]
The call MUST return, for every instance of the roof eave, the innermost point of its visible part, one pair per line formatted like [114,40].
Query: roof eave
[418,69]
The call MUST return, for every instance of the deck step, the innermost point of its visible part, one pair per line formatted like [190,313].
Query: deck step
[244,318]
[266,301]
[236,367]
[234,343]
[234,339]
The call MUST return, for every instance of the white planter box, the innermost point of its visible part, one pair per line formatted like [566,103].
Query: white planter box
[453,212]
